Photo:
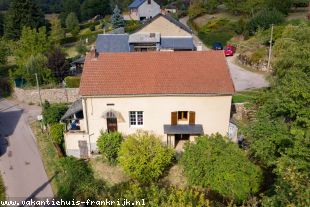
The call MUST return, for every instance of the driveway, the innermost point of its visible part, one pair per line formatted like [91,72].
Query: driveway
[20,161]
[243,79]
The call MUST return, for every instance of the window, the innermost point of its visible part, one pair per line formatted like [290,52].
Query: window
[183,115]
[136,118]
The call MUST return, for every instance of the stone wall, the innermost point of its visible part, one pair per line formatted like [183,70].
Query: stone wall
[57,95]
[238,111]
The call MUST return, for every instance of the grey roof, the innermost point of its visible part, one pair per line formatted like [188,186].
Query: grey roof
[80,60]
[112,43]
[183,129]
[136,4]
[144,37]
[75,107]
[177,43]
[169,18]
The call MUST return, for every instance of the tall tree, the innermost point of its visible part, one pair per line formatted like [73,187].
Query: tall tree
[57,32]
[91,8]
[20,14]
[117,18]
[69,6]
[58,64]
[72,24]
[4,52]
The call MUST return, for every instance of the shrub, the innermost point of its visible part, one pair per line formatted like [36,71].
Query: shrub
[92,28]
[52,113]
[143,157]
[264,19]
[220,165]
[109,145]
[131,25]
[2,189]
[57,133]
[196,9]
[72,81]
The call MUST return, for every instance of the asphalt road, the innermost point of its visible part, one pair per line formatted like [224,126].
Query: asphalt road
[20,162]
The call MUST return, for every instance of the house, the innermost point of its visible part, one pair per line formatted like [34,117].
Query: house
[162,33]
[143,9]
[176,95]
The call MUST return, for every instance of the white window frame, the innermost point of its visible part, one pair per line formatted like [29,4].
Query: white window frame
[134,119]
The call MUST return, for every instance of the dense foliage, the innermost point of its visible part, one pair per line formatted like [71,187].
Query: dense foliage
[72,81]
[143,157]
[117,18]
[22,13]
[57,32]
[109,145]
[215,163]
[280,136]
[264,19]
[58,64]
[57,133]
[72,24]
[91,8]
[52,113]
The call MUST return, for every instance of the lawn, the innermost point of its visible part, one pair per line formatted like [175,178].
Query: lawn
[245,96]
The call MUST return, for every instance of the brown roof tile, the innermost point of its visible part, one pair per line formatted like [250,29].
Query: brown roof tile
[156,73]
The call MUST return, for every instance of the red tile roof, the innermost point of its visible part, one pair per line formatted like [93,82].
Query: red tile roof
[156,73]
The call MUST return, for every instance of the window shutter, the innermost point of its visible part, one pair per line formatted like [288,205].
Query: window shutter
[174,118]
[191,117]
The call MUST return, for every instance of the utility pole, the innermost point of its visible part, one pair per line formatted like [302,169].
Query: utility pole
[270,48]
[38,88]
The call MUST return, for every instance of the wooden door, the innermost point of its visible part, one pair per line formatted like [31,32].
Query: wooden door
[174,118]
[83,149]
[191,117]
[112,124]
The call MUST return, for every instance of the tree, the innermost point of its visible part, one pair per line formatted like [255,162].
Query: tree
[91,8]
[264,19]
[52,113]
[4,52]
[109,145]
[69,6]
[143,157]
[196,9]
[57,32]
[22,13]
[72,24]
[58,64]
[283,6]
[117,18]
[57,133]
[215,163]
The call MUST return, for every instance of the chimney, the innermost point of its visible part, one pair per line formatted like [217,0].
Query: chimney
[93,53]
[199,46]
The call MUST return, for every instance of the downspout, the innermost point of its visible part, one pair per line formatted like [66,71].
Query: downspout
[87,129]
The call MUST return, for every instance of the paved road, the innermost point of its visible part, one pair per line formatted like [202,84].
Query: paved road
[20,162]
[243,79]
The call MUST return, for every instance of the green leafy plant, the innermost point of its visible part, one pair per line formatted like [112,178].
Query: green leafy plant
[57,133]
[52,113]
[215,163]
[143,157]
[109,145]
[72,81]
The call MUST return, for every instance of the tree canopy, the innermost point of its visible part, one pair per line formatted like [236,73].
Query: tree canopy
[22,13]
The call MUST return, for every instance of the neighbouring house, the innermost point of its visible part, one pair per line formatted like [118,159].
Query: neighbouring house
[163,33]
[176,95]
[143,9]
[76,66]
[171,8]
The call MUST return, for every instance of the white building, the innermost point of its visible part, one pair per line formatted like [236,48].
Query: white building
[175,95]
[143,9]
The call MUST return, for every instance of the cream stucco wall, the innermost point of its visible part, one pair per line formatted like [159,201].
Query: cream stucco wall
[164,27]
[145,10]
[212,112]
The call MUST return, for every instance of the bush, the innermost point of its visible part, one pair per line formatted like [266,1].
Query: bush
[132,25]
[143,157]
[2,189]
[72,81]
[220,165]
[57,133]
[264,19]
[52,113]
[109,145]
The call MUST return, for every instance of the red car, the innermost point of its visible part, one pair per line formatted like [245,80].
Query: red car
[229,50]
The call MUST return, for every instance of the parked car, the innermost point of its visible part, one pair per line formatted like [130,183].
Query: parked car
[229,50]
[217,46]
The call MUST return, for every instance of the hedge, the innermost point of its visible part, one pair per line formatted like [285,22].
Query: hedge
[72,81]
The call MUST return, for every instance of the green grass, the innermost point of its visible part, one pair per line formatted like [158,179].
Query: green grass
[47,151]
[2,189]
[245,96]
